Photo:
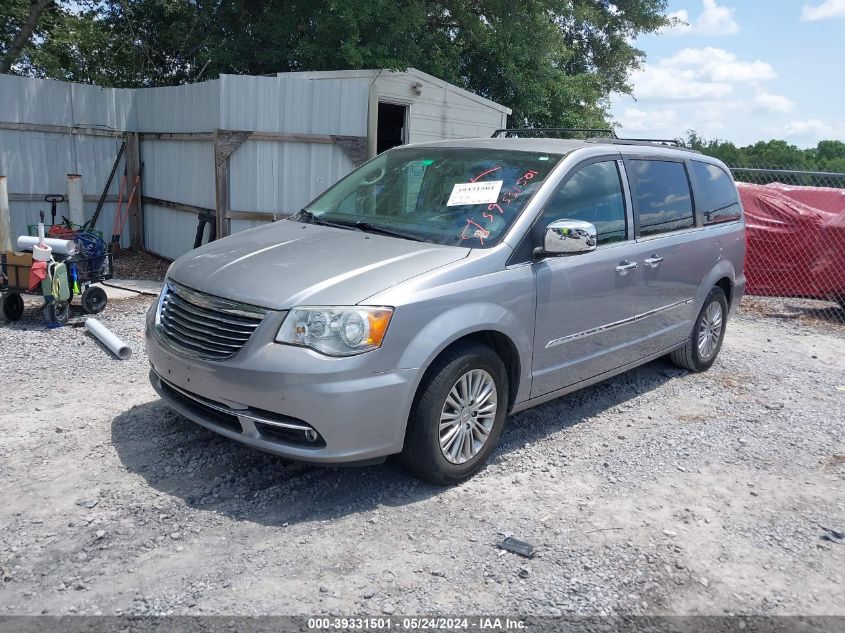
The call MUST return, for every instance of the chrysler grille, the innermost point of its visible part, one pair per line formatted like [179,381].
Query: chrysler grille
[204,326]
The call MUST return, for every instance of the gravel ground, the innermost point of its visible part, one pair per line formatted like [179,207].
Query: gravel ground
[656,492]
[140,265]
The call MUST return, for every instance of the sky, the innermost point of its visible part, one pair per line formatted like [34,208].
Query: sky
[741,71]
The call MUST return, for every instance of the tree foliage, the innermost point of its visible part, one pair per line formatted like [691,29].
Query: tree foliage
[554,62]
[826,156]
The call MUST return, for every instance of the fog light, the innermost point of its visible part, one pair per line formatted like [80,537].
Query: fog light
[311,435]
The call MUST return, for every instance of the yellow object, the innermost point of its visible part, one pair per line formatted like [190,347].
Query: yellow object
[378,326]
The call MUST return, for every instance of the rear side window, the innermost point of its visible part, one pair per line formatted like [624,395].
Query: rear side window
[716,195]
[661,189]
[593,194]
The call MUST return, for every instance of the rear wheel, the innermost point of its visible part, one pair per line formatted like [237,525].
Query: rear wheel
[13,306]
[705,341]
[457,416]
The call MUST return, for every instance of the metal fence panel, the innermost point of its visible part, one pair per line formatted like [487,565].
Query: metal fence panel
[276,177]
[37,163]
[181,171]
[192,108]
[171,231]
[284,104]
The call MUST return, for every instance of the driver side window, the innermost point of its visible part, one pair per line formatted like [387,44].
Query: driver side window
[593,194]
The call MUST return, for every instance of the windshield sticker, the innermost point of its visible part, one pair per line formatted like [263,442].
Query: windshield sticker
[480,232]
[474,193]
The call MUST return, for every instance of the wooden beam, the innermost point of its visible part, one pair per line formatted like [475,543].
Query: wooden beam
[221,183]
[176,136]
[39,197]
[181,206]
[209,214]
[61,129]
[261,217]
[353,146]
[136,209]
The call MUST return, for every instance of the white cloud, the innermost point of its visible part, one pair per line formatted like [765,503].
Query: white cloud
[824,11]
[634,119]
[717,64]
[774,103]
[697,73]
[713,20]
[807,132]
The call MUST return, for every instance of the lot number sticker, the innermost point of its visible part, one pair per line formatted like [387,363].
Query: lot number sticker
[475,193]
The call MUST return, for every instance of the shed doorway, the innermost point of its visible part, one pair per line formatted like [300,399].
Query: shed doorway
[392,126]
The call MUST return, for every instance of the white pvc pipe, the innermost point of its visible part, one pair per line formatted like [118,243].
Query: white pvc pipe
[60,247]
[5,218]
[74,199]
[104,335]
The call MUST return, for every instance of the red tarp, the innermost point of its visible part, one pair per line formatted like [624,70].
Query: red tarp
[796,240]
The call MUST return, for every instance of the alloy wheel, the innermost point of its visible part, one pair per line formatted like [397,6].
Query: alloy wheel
[468,415]
[710,331]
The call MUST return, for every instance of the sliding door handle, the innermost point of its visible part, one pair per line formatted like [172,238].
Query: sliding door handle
[625,266]
[653,261]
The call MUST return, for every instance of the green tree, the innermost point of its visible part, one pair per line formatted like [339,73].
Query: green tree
[554,62]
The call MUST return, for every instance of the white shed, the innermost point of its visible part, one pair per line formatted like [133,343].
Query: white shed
[414,107]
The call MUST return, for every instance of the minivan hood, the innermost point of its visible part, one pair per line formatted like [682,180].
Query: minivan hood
[284,264]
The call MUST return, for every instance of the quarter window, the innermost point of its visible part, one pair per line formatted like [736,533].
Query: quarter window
[593,194]
[716,194]
[661,189]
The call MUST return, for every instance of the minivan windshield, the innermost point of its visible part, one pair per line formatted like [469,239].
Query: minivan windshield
[445,195]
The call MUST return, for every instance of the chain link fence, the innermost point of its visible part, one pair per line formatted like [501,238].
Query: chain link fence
[795,264]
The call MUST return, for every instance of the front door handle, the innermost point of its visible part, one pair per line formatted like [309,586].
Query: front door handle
[625,266]
[653,261]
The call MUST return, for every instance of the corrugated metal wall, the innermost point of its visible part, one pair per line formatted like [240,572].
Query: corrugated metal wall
[37,163]
[266,176]
[281,177]
[178,171]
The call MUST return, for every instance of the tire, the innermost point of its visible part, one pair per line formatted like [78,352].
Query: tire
[57,312]
[703,345]
[94,300]
[461,458]
[13,306]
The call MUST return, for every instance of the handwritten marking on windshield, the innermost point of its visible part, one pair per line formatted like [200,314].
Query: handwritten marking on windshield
[481,175]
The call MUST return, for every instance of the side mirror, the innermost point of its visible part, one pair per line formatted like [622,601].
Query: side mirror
[566,237]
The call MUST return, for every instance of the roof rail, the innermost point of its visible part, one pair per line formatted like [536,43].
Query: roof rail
[649,142]
[551,132]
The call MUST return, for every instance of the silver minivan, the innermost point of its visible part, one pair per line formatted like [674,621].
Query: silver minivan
[439,287]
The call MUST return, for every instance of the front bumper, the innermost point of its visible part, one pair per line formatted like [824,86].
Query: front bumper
[261,395]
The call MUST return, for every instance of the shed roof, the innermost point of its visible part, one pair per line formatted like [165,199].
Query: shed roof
[374,73]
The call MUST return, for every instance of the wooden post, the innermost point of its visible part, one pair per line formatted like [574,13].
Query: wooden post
[136,209]
[372,121]
[225,143]
[5,218]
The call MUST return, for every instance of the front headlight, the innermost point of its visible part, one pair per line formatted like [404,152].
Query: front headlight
[336,330]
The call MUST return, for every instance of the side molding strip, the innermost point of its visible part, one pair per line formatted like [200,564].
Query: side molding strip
[616,324]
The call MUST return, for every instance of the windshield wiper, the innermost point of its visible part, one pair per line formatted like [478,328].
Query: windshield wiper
[360,225]
[366,227]
[310,218]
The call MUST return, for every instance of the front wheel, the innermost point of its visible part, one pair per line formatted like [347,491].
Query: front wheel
[705,341]
[13,306]
[457,416]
